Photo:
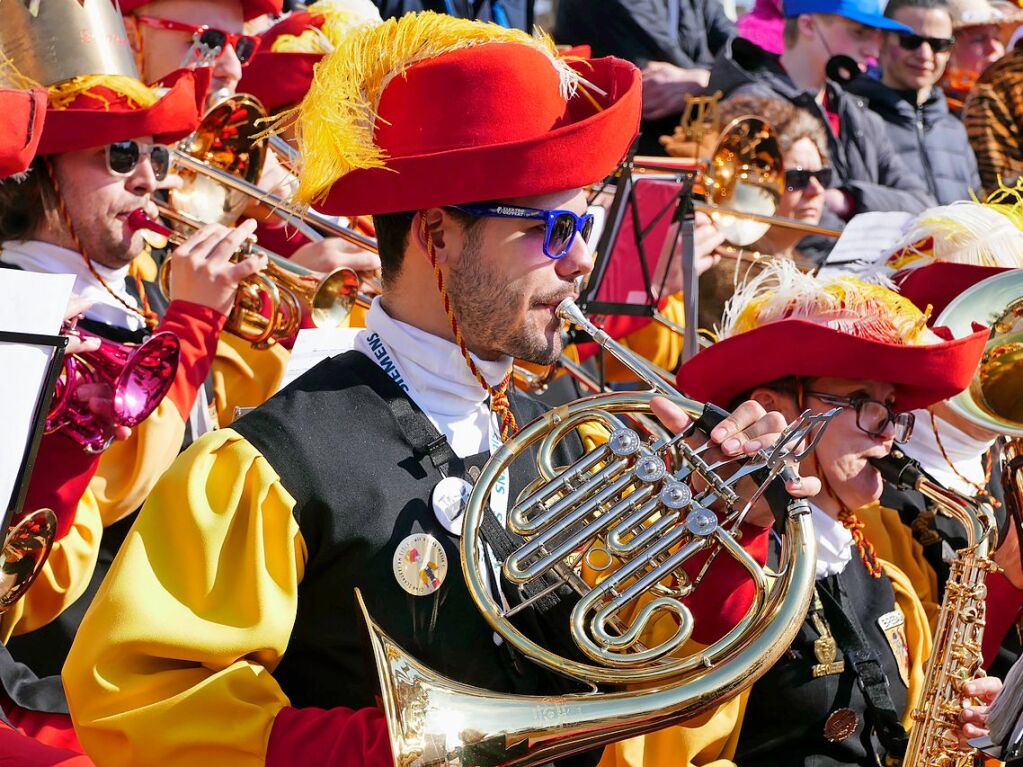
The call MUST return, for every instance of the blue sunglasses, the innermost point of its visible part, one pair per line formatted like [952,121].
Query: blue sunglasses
[562,225]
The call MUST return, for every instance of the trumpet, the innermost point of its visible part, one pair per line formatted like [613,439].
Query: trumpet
[628,502]
[220,164]
[139,376]
[268,306]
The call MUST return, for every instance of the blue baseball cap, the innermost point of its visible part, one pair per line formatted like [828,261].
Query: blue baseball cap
[867,12]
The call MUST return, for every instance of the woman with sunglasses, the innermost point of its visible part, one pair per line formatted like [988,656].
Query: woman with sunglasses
[793,342]
[804,148]
[915,111]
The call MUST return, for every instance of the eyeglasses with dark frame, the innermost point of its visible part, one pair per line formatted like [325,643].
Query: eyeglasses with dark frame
[124,156]
[872,416]
[561,225]
[797,179]
[938,44]
[208,43]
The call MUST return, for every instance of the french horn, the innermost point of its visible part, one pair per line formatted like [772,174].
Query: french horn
[641,512]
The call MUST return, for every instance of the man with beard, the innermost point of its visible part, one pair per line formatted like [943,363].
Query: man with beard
[242,643]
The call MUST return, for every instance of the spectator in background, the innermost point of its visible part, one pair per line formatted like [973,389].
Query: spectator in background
[764,26]
[992,115]
[869,175]
[921,128]
[980,29]
[673,42]
[507,13]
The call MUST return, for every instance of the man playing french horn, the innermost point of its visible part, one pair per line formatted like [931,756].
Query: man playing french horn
[228,631]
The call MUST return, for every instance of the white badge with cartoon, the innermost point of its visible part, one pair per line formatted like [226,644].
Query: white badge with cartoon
[420,564]
[893,626]
[449,498]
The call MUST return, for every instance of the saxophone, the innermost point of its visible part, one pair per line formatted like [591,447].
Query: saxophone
[956,656]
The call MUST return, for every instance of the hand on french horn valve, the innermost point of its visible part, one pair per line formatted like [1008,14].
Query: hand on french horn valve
[203,271]
[748,429]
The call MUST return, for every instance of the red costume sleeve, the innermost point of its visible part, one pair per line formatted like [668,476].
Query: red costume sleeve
[1003,605]
[198,328]
[339,737]
[62,472]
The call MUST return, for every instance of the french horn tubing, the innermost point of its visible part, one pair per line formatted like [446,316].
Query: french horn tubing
[640,512]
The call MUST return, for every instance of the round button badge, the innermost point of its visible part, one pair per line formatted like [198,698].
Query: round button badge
[449,498]
[420,564]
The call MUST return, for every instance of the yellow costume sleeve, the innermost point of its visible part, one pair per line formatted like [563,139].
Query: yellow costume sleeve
[64,576]
[243,376]
[130,468]
[172,664]
[918,635]
[894,543]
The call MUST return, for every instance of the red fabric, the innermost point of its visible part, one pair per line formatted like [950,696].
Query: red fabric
[577,52]
[97,120]
[250,8]
[21,122]
[282,240]
[833,119]
[922,375]
[726,593]
[278,79]
[198,329]
[62,472]
[938,283]
[39,739]
[504,131]
[339,737]
[1003,608]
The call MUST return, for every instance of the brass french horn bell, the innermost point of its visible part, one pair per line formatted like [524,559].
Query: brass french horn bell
[25,549]
[994,398]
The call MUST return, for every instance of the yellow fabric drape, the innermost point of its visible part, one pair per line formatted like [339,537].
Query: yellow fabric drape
[894,542]
[711,739]
[172,663]
[64,576]
[243,376]
[654,342]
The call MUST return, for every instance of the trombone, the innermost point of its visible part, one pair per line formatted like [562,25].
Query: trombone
[268,306]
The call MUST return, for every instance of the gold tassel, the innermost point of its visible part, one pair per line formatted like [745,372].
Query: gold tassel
[139,96]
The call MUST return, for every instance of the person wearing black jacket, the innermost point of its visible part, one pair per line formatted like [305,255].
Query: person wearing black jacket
[870,176]
[673,42]
[915,112]
[517,14]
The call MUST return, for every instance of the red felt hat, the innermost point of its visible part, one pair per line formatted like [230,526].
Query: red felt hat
[922,375]
[936,284]
[492,115]
[100,114]
[250,8]
[785,323]
[21,122]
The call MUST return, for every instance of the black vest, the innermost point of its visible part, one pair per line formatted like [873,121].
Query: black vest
[360,489]
[783,725]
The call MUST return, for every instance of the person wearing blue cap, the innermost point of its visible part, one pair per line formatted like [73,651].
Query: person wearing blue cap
[870,176]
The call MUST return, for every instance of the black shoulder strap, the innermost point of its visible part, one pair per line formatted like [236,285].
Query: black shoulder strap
[845,627]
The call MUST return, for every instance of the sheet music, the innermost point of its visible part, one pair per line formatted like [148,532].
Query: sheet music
[866,240]
[314,345]
[29,303]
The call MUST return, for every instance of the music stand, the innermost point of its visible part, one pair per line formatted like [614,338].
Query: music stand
[650,215]
[54,347]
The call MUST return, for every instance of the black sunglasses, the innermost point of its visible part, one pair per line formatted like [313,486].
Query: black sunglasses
[124,156]
[938,44]
[798,179]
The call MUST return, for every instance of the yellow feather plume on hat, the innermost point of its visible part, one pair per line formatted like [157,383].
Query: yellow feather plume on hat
[967,232]
[340,17]
[871,310]
[337,117]
[64,94]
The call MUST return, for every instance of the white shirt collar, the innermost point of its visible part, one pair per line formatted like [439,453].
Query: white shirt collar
[37,256]
[834,543]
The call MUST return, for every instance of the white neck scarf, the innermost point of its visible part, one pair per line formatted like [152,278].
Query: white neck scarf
[834,543]
[36,256]
[963,451]
[438,379]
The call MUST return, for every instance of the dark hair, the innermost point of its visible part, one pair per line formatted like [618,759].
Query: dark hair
[894,6]
[24,201]
[392,231]
[784,385]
